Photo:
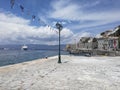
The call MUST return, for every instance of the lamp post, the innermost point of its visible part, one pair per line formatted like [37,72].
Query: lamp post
[75,44]
[59,27]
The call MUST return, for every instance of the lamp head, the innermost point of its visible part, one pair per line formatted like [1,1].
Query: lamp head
[59,26]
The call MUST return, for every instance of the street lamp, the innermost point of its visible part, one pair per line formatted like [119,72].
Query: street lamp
[59,27]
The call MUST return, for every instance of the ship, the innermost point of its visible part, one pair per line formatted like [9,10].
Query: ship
[24,47]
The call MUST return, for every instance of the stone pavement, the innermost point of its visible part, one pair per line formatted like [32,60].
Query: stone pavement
[75,73]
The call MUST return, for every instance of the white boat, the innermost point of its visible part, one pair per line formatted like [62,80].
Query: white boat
[24,47]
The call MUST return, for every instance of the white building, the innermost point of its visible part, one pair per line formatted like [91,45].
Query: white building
[107,43]
[88,43]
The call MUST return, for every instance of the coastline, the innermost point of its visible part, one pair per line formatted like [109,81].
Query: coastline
[27,63]
[9,57]
[74,73]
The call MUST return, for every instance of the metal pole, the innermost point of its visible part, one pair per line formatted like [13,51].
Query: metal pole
[59,57]
[76,43]
[59,27]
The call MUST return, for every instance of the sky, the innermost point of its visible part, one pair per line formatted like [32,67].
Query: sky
[79,18]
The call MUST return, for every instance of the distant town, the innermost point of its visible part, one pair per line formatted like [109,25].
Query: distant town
[106,43]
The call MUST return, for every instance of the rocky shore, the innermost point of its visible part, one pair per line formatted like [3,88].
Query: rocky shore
[74,73]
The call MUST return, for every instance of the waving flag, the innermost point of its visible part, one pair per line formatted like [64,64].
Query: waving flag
[33,17]
[22,8]
[12,2]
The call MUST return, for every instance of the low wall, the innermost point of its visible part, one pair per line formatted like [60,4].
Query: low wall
[96,52]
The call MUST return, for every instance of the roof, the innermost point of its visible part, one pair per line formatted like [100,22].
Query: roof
[107,38]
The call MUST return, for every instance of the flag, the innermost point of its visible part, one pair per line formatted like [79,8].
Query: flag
[114,43]
[12,2]
[33,17]
[56,31]
[39,19]
[22,8]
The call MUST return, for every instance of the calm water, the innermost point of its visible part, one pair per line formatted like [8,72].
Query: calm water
[8,57]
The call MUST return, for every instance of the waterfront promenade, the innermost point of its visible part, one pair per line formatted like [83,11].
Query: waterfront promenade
[74,73]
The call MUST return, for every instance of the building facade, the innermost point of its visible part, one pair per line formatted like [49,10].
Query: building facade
[108,43]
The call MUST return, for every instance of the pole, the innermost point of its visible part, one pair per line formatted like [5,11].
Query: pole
[76,43]
[59,57]
[59,27]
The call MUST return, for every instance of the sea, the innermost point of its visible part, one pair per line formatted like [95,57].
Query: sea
[12,54]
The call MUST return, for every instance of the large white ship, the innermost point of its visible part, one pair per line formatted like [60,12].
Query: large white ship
[24,47]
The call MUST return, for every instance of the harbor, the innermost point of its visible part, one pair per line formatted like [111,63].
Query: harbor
[80,52]
[105,43]
[59,45]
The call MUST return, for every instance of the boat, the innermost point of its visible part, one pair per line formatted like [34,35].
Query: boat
[24,47]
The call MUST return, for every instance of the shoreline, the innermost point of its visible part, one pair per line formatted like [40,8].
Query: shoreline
[13,57]
[41,60]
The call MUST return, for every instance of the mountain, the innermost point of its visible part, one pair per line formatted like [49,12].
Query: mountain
[32,47]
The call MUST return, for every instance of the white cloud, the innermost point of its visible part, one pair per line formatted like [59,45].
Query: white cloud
[12,18]
[63,9]
[65,33]
[69,10]
[76,37]
[105,15]
[15,30]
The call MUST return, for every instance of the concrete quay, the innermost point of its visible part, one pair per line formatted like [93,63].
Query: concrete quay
[74,73]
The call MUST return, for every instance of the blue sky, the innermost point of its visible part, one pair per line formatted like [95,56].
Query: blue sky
[78,17]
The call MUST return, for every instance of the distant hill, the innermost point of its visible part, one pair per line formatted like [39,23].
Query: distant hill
[32,47]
